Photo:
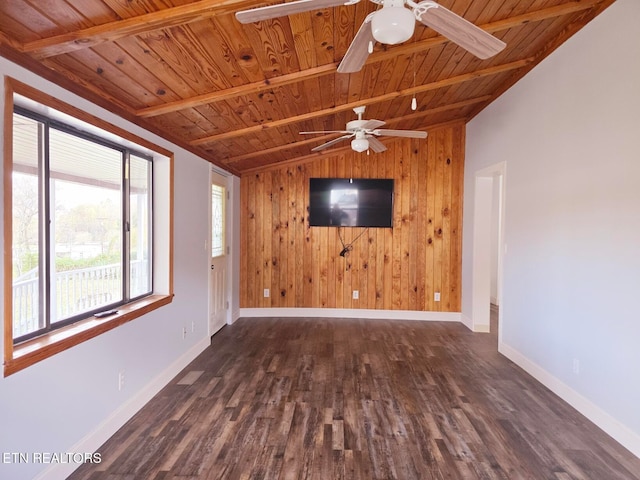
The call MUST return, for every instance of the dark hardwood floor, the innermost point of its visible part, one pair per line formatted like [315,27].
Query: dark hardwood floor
[357,399]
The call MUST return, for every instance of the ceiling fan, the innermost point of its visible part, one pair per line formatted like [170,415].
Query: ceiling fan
[392,24]
[364,133]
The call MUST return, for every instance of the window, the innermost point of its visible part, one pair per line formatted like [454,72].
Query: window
[217,220]
[82,224]
[82,210]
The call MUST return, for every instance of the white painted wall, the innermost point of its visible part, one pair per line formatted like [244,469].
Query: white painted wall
[70,402]
[569,133]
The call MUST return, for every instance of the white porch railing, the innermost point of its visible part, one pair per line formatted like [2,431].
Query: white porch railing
[76,291]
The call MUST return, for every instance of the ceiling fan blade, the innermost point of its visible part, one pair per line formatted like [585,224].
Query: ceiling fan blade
[324,131]
[283,9]
[372,124]
[400,133]
[331,142]
[376,145]
[462,32]
[358,51]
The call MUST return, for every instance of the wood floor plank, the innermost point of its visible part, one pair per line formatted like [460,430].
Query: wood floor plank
[295,399]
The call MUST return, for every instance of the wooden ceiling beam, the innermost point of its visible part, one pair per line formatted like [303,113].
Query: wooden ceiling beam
[543,14]
[233,92]
[379,56]
[419,114]
[279,148]
[112,31]
[382,98]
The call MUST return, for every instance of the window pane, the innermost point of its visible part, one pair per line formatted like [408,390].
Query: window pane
[217,220]
[140,228]
[86,225]
[27,135]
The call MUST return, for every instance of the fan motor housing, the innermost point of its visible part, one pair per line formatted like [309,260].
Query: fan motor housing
[354,125]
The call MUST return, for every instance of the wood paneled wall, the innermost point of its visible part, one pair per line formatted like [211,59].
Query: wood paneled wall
[393,269]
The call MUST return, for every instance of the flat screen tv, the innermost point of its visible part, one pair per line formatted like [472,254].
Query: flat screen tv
[345,202]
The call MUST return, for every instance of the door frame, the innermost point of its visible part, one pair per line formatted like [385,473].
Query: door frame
[485,183]
[217,177]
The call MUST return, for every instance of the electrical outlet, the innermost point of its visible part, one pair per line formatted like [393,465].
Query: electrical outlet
[436,296]
[356,294]
[184,332]
[121,380]
[266,293]
[193,326]
[576,366]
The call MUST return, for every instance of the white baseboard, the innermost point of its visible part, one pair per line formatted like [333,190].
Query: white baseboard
[106,429]
[484,328]
[466,321]
[352,313]
[619,432]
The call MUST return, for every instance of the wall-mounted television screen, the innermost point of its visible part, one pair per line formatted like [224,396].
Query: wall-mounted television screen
[346,202]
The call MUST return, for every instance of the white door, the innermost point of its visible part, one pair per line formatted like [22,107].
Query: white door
[218,275]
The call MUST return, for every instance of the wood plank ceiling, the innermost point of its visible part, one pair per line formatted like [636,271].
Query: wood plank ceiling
[239,94]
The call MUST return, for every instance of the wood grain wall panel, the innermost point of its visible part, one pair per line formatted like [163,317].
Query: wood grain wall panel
[263,237]
[247,237]
[277,256]
[438,227]
[446,218]
[413,218]
[455,294]
[393,269]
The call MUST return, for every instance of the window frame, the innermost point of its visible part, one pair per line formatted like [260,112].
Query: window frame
[21,355]
[126,152]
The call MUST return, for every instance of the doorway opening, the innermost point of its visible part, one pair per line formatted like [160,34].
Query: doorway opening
[488,248]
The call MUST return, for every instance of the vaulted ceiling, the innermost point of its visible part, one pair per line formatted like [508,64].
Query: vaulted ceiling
[238,95]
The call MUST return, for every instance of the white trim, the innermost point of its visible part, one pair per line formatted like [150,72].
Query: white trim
[614,428]
[217,179]
[352,313]
[481,328]
[480,272]
[107,428]
[466,321]
[230,212]
[220,172]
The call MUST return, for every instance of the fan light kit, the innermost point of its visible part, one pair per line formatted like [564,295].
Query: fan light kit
[360,144]
[392,24]
[365,133]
